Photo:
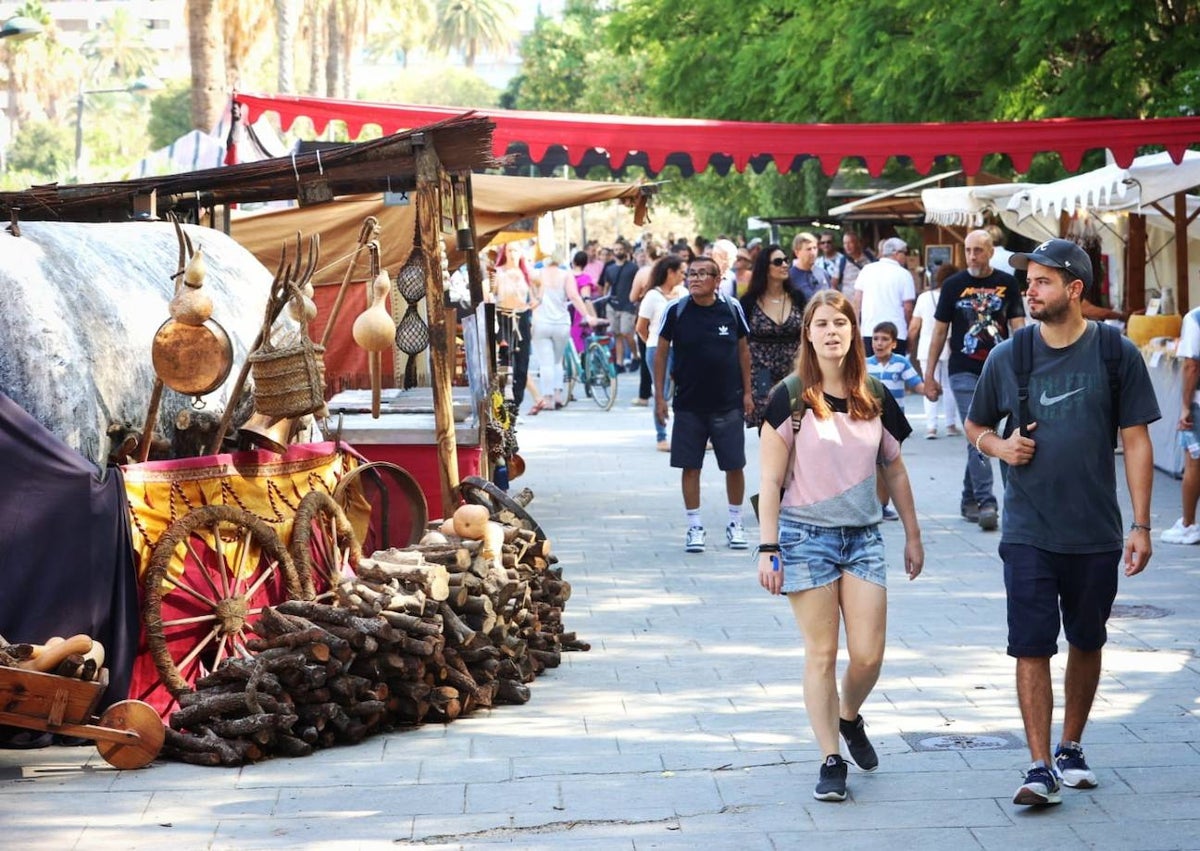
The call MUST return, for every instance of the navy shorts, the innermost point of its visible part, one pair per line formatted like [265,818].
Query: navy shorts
[691,431]
[1040,583]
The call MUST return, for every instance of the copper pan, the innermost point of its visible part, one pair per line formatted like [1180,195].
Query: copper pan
[192,359]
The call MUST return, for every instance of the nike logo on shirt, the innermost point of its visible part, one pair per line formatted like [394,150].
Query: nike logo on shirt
[1054,400]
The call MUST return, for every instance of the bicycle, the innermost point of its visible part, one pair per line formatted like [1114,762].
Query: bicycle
[595,370]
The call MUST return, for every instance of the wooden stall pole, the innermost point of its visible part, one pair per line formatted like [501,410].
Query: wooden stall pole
[1135,264]
[1181,253]
[429,180]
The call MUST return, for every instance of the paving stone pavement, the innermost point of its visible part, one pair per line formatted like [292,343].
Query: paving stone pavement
[684,725]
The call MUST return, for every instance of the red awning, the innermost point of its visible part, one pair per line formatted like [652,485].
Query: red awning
[650,141]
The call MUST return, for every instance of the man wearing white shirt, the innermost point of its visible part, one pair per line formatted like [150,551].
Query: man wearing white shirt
[1186,530]
[1000,254]
[885,292]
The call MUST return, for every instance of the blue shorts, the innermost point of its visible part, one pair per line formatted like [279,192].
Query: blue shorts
[691,431]
[815,556]
[1039,582]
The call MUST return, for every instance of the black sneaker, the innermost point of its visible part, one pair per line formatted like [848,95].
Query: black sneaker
[832,784]
[1073,768]
[989,518]
[970,512]
[1040,788]
[861,751]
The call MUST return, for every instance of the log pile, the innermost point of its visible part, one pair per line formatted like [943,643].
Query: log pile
[426,633]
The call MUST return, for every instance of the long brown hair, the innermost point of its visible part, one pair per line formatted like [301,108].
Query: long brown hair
[860,401]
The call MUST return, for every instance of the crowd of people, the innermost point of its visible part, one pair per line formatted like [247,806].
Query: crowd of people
[816,349]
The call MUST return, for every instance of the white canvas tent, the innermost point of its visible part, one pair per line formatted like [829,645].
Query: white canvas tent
[1104,198]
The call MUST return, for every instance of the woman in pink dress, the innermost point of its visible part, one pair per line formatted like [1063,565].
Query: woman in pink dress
[587,291]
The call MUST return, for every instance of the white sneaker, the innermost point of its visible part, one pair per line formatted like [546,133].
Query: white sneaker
[736,536]
[1180,534]
[695,539]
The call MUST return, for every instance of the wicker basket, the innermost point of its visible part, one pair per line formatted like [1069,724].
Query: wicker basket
[288,381]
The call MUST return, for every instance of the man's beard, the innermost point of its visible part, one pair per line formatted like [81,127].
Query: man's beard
[978,273]
[1049,313]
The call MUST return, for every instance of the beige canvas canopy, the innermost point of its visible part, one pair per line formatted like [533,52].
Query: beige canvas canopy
[499,201]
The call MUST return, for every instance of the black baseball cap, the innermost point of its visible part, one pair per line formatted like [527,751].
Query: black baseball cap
[1057,254]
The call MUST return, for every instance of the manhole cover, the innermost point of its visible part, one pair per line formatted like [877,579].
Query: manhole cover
[960,742]
[1140,612]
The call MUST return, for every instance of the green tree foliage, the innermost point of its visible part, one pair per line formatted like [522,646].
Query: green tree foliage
[44,149]
[446,86]
[559,59]
[170,114]
[915,60]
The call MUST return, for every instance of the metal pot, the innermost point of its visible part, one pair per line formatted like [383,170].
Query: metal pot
[192,359]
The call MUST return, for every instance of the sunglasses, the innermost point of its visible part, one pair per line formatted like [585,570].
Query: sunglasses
[825,242]
[696,274]
[779,261]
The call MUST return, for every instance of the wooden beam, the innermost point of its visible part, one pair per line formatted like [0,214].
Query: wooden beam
[429,179]
[1181,253]
[1135,264]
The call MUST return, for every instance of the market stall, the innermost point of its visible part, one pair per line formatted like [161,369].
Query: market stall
[221,543]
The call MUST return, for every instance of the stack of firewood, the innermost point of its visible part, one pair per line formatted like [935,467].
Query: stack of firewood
[427,633]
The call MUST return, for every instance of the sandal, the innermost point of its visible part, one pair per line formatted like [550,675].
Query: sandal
[538,406]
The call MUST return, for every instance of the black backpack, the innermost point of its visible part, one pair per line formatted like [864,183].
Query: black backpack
[1110,351]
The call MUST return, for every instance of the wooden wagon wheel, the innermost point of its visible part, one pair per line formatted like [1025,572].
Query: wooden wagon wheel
[324,547]
[480,491]
[143,720]
[392,498]
[203,562]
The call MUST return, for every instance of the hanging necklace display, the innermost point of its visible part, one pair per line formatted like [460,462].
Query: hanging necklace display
[412,334]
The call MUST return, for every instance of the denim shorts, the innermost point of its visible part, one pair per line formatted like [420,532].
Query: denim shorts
[1039,583]
[815,556]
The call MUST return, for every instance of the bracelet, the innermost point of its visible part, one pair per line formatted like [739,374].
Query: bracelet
[767,548]
[979,439]
[1133,527]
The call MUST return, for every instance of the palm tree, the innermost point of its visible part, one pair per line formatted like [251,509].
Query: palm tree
[347,20]
[473,26]
[40,74]
[206,48]
[287,13]
[406,24]
[246,24]
[118,47]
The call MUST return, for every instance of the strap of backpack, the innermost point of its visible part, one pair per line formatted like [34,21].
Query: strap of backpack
[1023,366]
[1110,350]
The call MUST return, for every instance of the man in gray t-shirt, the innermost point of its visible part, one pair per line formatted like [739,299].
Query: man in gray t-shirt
[1062,538]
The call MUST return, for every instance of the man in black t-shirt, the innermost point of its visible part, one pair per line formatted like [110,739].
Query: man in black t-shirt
[705,336]
[977,308]
[622,313]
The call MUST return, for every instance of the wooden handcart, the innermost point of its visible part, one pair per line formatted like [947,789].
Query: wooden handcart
[129,734]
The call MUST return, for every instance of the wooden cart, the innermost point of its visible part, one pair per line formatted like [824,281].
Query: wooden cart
[128,735]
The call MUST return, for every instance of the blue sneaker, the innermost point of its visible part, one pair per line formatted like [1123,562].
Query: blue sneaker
[831,785]
[1073,768]
[889,513]
[861,750]
[1041,788]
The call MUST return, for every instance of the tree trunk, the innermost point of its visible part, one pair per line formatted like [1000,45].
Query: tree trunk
[206,48]
[317,50]
[333,51]
[285,35]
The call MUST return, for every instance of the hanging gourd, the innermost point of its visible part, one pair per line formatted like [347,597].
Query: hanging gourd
[374,329]
[191,305]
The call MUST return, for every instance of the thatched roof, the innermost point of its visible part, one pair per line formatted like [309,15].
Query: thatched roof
[462,143]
